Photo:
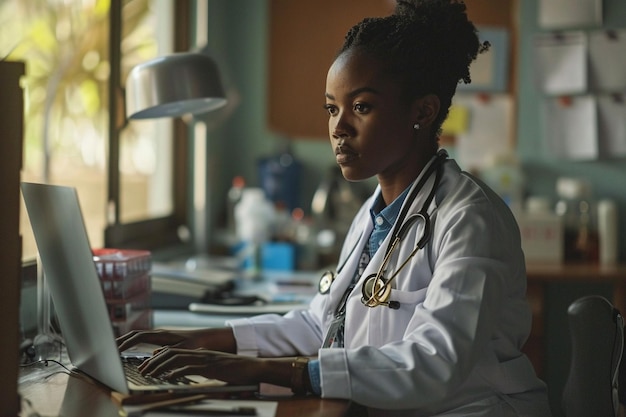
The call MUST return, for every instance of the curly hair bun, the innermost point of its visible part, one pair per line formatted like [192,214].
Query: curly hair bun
[427,45]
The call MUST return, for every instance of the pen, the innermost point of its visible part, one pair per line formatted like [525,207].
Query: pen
[175,402]
[294,283]
[211,411]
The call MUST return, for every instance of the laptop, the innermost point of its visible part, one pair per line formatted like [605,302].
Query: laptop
[74,284]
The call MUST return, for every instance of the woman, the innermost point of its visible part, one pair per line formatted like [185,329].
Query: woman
[432,325]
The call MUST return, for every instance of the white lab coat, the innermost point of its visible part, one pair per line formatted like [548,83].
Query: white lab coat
[453,346]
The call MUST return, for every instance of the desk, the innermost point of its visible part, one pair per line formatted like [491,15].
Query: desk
[540,276]
[60,394]
[551,288]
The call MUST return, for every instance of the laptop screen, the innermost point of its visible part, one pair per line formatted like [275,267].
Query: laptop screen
[71,275]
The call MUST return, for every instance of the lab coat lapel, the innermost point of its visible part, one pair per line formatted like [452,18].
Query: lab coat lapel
[358,315]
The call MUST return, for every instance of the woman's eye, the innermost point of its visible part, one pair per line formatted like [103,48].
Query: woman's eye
[330,109]
[361,108]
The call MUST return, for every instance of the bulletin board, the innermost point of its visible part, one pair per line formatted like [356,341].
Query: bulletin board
[304,38]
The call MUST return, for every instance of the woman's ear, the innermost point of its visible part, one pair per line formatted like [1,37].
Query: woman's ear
[425,109]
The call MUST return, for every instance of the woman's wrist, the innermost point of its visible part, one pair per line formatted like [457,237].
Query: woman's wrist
[291,373]
[221,339]
[300,382]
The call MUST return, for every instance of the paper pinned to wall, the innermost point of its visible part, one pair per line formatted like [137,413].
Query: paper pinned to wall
[559,14]
[612,124]
[489,131]
[561,63]
[570,127]
[607,59]
[457,120]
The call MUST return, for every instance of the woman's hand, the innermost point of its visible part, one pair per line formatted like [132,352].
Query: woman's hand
[234,369]
[214,339]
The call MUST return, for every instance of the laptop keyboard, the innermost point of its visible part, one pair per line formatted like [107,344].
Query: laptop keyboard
[133,375]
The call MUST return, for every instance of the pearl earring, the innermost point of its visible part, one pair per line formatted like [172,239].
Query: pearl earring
[416,126]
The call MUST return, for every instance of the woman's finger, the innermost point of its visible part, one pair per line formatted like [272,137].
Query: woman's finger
[155,364]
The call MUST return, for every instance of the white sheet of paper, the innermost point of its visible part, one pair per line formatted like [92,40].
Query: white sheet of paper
[489,132]
[612,124]
[570,130]
[558,14]
[607,59]
[561,63]
[263,408]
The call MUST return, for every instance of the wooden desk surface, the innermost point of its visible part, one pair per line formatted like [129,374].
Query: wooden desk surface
[60,394]
[575,272]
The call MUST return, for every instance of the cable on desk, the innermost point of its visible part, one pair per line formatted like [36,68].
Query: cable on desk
[46,362]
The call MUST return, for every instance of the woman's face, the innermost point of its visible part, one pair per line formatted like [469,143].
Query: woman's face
[371,122]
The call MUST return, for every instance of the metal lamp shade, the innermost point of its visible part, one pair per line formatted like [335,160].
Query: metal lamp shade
[173,85]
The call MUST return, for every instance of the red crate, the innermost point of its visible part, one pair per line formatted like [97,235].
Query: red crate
[120,310]
[121,264]
[141,320]
[123,273]
[125,289]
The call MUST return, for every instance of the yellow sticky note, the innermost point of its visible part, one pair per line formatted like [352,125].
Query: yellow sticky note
[457,120]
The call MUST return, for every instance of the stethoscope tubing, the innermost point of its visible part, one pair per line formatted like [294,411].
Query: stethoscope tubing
[380,287]
[400,230]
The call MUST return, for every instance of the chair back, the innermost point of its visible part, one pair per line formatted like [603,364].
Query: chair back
[597,340]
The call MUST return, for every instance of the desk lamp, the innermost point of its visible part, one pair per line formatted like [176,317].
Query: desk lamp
[168,86]
[174,85]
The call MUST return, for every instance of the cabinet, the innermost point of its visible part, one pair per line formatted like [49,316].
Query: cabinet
[11,126]
[541,278]
[304,38]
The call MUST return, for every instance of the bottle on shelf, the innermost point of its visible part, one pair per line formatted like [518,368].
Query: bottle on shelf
[233,197]
[608,231]
[578,213]
[254,220]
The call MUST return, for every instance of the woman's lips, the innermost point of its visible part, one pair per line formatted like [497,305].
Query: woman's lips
[345,155]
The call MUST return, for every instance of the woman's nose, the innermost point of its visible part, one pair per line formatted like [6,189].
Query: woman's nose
[339,128]
[338,133]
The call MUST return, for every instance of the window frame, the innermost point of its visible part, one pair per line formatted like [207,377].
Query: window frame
[162,233]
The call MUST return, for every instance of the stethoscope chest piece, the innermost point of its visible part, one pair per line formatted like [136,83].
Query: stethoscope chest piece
[326,281]
[375,291]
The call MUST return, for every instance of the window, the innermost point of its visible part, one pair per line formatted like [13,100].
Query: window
[130,177]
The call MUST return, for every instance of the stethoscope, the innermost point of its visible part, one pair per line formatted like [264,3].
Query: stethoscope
[376,289]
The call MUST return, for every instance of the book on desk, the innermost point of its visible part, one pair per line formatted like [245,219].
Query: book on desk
[218,291]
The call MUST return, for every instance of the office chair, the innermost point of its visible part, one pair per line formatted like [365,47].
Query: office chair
[597,337]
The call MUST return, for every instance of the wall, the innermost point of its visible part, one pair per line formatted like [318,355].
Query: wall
[238,34]
[607,176]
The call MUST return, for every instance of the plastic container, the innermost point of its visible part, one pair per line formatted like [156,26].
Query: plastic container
[254,216]
[578,212]
[233,198]
[541,231]
[608,232]
[279,175]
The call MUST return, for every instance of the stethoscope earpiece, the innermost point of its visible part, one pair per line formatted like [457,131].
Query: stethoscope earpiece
[326,281]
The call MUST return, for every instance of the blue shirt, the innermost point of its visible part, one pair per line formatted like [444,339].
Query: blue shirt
[383,219]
